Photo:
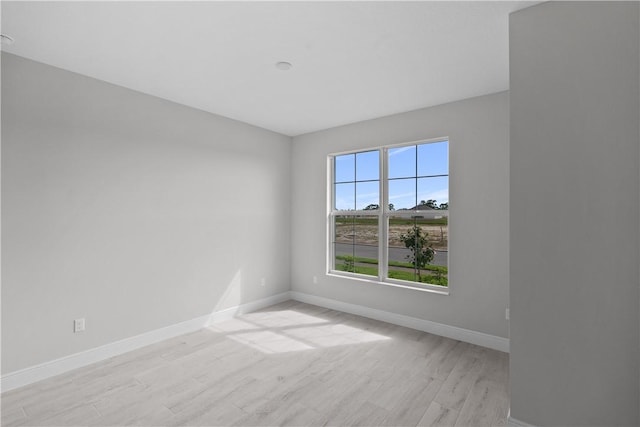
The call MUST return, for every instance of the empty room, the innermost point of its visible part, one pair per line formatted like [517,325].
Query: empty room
[421,213]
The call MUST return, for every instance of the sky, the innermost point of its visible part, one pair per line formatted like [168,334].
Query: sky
[414,175]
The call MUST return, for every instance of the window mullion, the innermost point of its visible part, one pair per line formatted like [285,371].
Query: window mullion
[383,221]
[331,253]
[331,217]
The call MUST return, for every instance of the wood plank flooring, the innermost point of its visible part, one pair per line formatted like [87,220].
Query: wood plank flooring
[290,364]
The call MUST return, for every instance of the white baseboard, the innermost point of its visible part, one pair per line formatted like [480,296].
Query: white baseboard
[460,334]
[512,422]
[45,370]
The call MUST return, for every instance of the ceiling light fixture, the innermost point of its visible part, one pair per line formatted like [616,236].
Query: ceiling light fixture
[6,40]
[284,66]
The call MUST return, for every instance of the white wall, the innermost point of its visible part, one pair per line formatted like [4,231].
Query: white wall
[478,132]
[131,211]
[575,187]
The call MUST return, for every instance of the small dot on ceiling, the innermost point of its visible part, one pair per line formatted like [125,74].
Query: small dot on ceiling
[283,65]
[5,39]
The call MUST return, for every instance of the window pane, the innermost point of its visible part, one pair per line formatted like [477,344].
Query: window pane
[433,193]
[367,195]
[418,249]
[367,166]
[345,196]
[345,168]
[402,162]
[366,245]
[343,243]
[402,193]
[356,245]
[433,159]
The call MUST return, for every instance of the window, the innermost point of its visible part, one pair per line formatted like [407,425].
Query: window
[389,214]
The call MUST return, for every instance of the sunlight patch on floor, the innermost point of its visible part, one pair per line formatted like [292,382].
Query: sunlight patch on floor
[288,330]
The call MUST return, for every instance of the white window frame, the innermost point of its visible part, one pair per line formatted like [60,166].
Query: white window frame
[383,214]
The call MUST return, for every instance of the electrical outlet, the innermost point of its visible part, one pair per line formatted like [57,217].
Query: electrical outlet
[78,325]
[506,314]
[263,281]
[315,280]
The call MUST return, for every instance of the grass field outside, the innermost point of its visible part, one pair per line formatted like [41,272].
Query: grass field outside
[431,274]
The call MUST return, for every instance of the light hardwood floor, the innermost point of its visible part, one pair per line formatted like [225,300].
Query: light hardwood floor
[289,364]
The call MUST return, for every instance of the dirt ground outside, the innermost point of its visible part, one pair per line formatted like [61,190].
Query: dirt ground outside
[368,234]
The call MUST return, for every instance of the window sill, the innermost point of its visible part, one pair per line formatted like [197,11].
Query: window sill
[362,278]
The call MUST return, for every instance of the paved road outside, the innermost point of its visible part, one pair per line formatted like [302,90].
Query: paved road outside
[395,254]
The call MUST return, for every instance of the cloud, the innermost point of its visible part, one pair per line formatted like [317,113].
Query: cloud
[367,196]
[401,196]
[400,150]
